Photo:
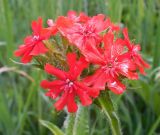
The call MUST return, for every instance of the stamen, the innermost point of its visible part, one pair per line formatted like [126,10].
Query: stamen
[69,83]
[67,80]
[35,38]
[110,65]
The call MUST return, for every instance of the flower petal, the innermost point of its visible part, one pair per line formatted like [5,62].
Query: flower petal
[28,40]
[125,68]
[62,101]
[54,93]
[26,57]
[116,86]
[22,50]
[91,91]
[37,26]
[76,67]
[92,54]
[72,14]
[38,49]
[50,85]
[84,97]
[71,104]
[71,60]
[55,71]
[97,80]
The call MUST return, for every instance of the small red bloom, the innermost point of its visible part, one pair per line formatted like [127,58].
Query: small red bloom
[133,53]
[79,34]
[33,44]
[52,27]
[68,86]
[113,64]
[82,18]
[113,27]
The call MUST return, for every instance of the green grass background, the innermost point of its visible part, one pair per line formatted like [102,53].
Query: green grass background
[22,102]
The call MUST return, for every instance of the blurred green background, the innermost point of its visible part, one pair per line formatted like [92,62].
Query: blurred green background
[22,101]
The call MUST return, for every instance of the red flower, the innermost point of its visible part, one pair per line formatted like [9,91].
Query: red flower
[113,65]
[113,27]
[52,27]
[33,44]
[68,86]
[79,34]
[134,53]
[81,18]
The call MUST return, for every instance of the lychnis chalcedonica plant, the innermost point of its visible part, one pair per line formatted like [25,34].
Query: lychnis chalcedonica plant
[88,57]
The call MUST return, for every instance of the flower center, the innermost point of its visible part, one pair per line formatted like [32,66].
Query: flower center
[35,38]
[69,83]
[87,31]
[109,65]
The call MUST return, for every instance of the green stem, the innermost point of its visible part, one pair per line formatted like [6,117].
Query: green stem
[108,108]
[69,123]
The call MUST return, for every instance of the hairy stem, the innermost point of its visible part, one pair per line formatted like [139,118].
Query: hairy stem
[108,108]
[69,123]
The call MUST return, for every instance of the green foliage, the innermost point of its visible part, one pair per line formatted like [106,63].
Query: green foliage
[22,102]
[53,128]
[69,123]
[78,123]
[81,125]
[108,108]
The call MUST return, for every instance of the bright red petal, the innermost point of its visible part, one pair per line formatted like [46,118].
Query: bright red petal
[55,71]
[76,67]
[91,91]
[38,49]
[145,64]
[72,14]
[63,22]
[116,86]
[126,69]
[37,26]
[125,33]
[84,97]
[28,40]
[92,54]
[83,17]
[71,104]
[54,93]
[71,59]
[62,101]
[108,45]
[26,57]
[22,50]
[97,80]
[98,22]
[50,85]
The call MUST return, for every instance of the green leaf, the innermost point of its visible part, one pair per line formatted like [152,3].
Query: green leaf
[154,126]
[53,128]
[107,106]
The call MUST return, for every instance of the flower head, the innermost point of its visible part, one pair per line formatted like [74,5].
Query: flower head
[67,85]
[82,18]
[133,53]
[33,44]
[113,64]
[81,33]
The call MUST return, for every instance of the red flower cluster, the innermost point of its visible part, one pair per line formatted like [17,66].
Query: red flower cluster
[33,44]
[112,57]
